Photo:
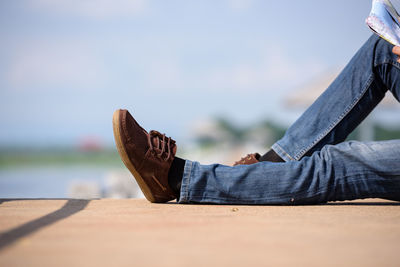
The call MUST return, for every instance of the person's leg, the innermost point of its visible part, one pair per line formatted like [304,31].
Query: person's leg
[346,103]
[349,170]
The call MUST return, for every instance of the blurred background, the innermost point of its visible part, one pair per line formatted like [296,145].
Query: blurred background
[223,78]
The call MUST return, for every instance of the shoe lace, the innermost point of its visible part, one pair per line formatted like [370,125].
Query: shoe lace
[163,143]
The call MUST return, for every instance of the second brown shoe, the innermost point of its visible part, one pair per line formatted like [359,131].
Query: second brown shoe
[148,156]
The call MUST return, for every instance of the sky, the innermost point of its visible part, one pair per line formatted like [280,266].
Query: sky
[67,65]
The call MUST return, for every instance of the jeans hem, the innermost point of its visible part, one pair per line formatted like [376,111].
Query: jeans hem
[282,153]
[187,172]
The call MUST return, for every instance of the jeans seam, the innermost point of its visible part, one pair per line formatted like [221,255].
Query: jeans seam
[335,123]
[391,62]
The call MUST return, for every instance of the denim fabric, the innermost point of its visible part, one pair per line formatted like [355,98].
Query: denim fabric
[319,166]
[357,90]
[349,170]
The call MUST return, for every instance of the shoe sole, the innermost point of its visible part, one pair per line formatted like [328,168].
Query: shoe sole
[125,159]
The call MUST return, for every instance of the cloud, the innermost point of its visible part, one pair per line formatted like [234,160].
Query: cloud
[55,65]
[94,9]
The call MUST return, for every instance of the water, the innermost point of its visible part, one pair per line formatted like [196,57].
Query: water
[64,182]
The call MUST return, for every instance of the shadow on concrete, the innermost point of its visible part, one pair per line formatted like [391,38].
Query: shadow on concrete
[3,200]
[71,207]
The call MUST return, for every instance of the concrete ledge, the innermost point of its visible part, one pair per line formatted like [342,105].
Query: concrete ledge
[132,232]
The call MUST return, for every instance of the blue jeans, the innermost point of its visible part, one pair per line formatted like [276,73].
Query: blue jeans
[319,166]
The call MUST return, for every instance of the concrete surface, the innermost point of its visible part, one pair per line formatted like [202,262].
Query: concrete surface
[133,232]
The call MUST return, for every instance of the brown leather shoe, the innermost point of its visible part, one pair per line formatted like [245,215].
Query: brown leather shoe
[148,156]
[248,159]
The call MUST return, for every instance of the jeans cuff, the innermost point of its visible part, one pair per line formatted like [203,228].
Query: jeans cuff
[187,171]
[282,153]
